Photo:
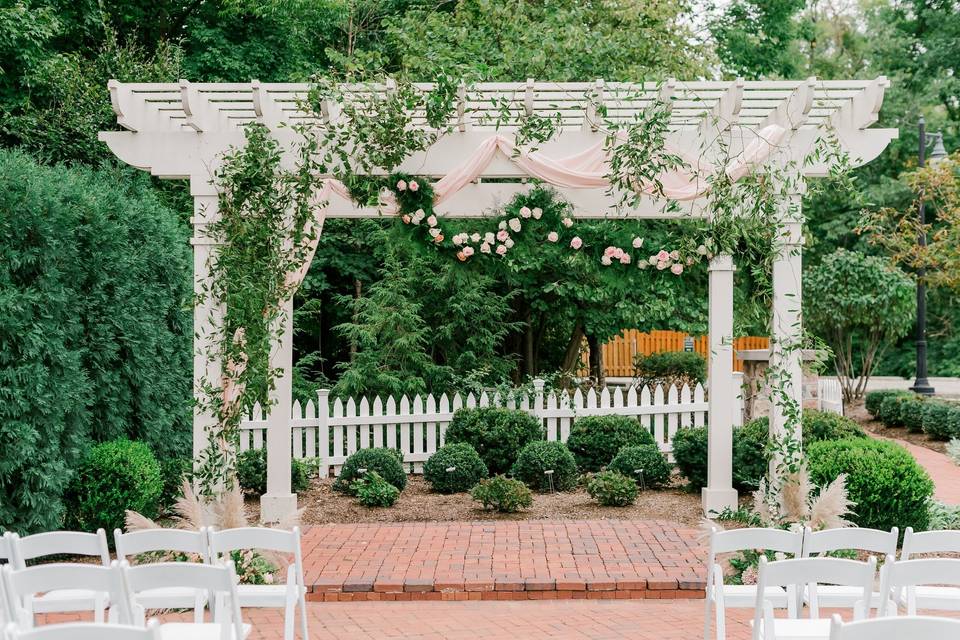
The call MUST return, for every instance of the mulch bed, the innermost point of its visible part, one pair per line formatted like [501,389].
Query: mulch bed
[859,413]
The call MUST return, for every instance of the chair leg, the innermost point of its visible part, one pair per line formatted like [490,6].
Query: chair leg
[706,616]
[289,613]
[99,606]
[305,634]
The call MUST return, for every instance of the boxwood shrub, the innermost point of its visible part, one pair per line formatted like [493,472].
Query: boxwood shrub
[502,494]
[749,455]
[388,463]
[496,434]
[630,460]
[252,472]
[613,489]
[889,413]
[875,398]
[114,477]
[467,468]
[537,458]
[941,419]
[912,411]
[594,440]
[670,367]
[888,487]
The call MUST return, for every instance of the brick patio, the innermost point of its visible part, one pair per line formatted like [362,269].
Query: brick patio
[506,560]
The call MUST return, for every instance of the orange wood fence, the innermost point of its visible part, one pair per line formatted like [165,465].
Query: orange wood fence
[619,352]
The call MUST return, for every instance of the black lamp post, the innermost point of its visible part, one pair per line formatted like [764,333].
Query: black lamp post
[921,385]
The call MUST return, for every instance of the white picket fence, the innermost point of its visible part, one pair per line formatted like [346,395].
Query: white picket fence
[332,430]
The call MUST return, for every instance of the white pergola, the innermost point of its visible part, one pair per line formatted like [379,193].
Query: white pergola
[182,130]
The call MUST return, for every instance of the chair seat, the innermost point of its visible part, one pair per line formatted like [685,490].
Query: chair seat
[745,596]
[798,629]
[263,595]
[840,597]
[193,631]
[67,600]
[946,598]
[172,598]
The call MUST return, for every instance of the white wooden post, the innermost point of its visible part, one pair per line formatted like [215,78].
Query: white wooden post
[206,315]
[786,356]
[279,503]
[323,431]
[719,492]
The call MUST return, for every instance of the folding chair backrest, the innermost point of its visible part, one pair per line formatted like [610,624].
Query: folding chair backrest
[6,547]
[929,542]
[74,543]
[278,540]
[21,583]
[917,627]
[87,631]
[132,544]
[913,573]
[872,540]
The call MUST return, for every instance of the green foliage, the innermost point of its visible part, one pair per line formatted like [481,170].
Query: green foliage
[467,468]
[536,458]
[497,434]
[252,472]
[841,299]
[594,440]
[889,413]
[173,470]
[757,39]
[646,459]
[941,419]
[502,494]
[887,486]
[94,337]
[817,426]
[388,463]
[874,399]
[373,491]
[690,455]
[912,411]
[671,368]
[749,455]
[943,516]
[115,477]
[613,489]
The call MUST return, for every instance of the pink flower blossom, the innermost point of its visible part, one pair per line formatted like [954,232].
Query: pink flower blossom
[618,253]
[637,242]
[439,238]
[474,238]
[689,261]
[662,256]
[485,248]
[514,224]
[652,260]
[401,185]
[553,236]
[609,251]
[702,250]
[502,235]
[606,261]
[488,237]
[413,185]
[432,221]
[434,232]
[674,255]
[457,240]
[468,251]
[661,266]
[501,249]
[676,269]
[509,243]
[576,242]
[625,258]
[502,225]
[525,212]
[567,222]
[537,212]
[461,256]
[406,218]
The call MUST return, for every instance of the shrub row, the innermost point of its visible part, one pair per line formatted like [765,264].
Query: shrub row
[896,408]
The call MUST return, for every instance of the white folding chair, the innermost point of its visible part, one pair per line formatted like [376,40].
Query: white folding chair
[285,596]
[932,543]
[129,545]
[82,631]
[794,575]
[723,596]
[73,543]
[103,584]
[910,576]
[816,543]
[219,580]
[910,627]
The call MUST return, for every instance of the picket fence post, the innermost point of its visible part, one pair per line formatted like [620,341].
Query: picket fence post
[323,433]
[538,385]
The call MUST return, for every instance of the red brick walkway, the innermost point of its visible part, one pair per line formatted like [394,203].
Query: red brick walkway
[503,560]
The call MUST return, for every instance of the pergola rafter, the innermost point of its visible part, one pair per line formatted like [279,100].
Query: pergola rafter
[182,131]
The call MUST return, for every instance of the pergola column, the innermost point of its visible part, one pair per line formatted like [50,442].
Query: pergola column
[786,328]
[279,502]
[722,399]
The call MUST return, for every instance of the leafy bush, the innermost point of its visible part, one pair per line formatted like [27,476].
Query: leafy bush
[388,463]
[884,482]
[889,413]
[646,457]
[594,440]
[95,330]
[670,368]
[373,491]
[953,450]
[497,434]
[943,516]
[749,454]
[825,425]
[252,472]
[613,489]
[114,477]
[912,411]
[941,420]
[874,399]
[537,458]
[502,494]
[468,468]
[690,455]
[173,471]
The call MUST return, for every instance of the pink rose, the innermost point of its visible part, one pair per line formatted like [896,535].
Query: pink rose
[509,243]
[662,256]
[652,260]
[439,238]
[609,251]
[468,251]
[501,249]
[514,224]
[576,243]
[661,265]
[461,256]
[568,222]
[537,212]
[406,219]
[525,212]
[637,242]
[553,236]
[618,253]
[674,255]
[502,235]
[457,240]
[432,221]
[413,185]
[676,269]
[401,185]
[625,258]
[606,261]
[485,248]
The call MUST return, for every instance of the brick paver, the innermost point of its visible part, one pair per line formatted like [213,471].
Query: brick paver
[503,560]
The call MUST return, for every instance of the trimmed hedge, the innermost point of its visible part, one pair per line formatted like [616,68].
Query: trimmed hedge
[912,411]
[468,468]
[889,488]
[594,440]
[749,455]
[874,399]
[496,434]
[252,472]
[539,457]
[114,477]
[941,419]
[889,413]
[388,463]
[670,367]
[629,460]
